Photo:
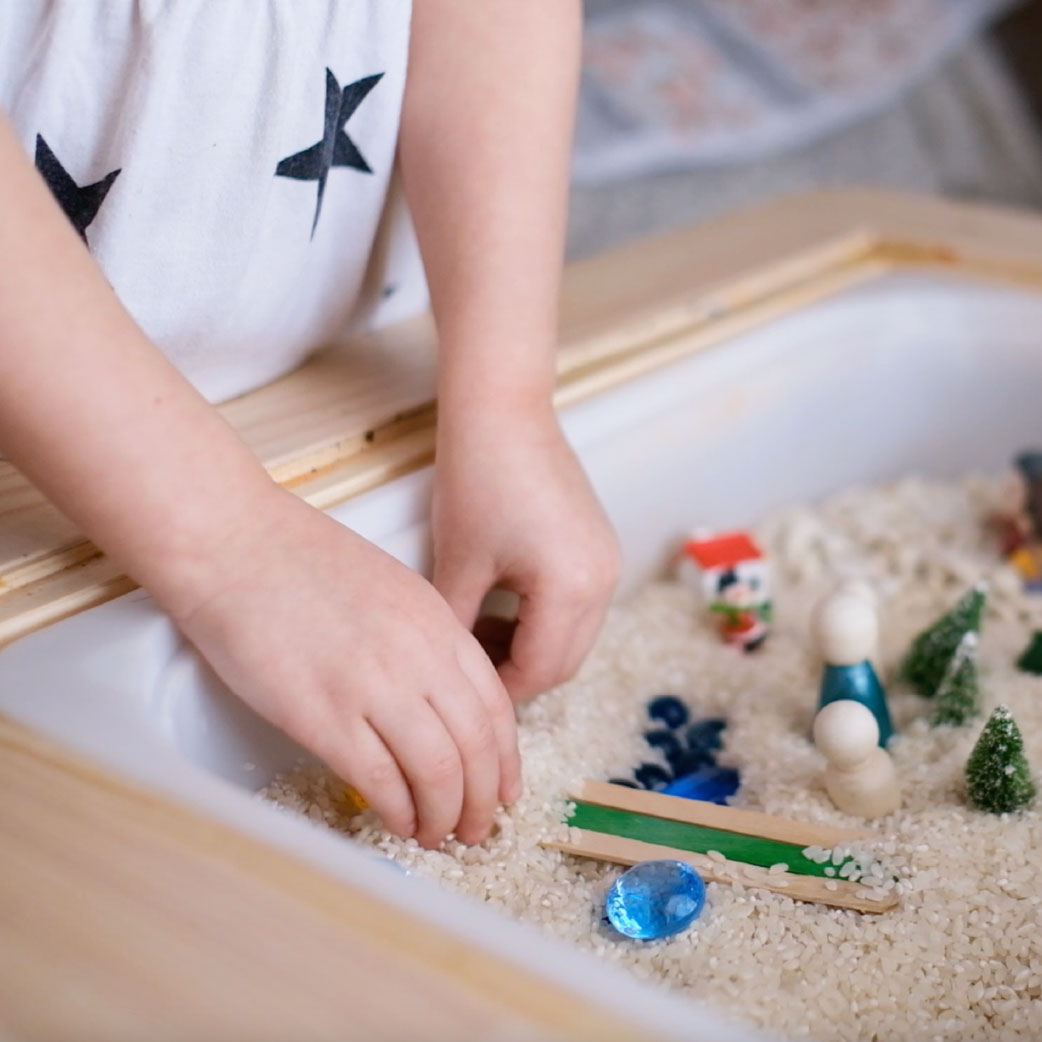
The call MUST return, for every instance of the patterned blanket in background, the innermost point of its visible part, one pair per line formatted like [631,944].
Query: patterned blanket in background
[679,83]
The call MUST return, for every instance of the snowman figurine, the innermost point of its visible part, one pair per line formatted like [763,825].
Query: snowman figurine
[859,776]
[846,632]
[733,574]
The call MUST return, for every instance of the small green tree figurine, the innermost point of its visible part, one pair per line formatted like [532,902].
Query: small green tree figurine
[931,651]
[958,696]
[1031,659]
[998,777]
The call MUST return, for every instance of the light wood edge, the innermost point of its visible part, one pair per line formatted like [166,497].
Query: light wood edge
[708,301]
[623,851]
[70,589]
[583,382]
[41,566]
[535,998]
[711,815]
[54,597]
[303,470]
[375,468]
[902,254]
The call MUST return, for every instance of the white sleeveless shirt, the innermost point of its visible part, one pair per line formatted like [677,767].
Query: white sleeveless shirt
[229,164]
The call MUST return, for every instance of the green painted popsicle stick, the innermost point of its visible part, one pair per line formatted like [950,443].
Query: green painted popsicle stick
[751,850]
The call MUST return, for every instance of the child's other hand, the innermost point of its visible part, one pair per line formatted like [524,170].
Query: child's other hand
[360,660]
[513,508]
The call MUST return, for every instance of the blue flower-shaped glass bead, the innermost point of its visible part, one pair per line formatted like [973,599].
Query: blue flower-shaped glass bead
[651,776]
[668,710]
[689,761]
[666,742]
[705,735]
[655,899]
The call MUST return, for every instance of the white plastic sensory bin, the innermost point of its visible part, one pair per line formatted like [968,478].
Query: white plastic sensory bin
[909,372]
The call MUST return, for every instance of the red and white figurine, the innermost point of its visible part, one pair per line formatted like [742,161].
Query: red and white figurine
[734,575]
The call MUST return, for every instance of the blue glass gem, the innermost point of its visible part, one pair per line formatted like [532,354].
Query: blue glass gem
[669,710]
[860,683]
[651,776]
[705,735]
[666,742]
[655,899]
[713,784]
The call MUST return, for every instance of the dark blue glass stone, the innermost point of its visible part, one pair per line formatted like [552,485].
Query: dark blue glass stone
[666,742]
[651,776]
[691,760]
[655,899]
[713,784]
[629,783]
[706,734]
[669,710]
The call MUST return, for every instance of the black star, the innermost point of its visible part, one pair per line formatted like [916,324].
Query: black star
[81,205]
[335,148]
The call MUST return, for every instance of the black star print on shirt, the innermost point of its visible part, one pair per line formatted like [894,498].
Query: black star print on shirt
[335,148]
[81,205]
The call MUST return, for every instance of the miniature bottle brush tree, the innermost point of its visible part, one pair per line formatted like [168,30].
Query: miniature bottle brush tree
[958,696]
[927,660]
[998,778]
[1030,660]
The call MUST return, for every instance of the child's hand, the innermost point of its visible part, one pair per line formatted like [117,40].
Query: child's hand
[360,660]
[512,507]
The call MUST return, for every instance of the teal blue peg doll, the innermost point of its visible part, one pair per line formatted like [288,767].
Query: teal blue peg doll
[847,631]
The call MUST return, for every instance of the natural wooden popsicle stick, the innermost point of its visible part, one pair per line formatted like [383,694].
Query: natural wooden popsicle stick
[837,893]
[711,815]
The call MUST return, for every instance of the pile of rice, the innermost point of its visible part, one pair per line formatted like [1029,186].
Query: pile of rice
[961,958]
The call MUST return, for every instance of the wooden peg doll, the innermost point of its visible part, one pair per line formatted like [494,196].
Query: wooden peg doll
[846,633]
[859,776]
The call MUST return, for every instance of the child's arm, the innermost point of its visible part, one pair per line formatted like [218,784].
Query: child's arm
[355,656]
[486,138]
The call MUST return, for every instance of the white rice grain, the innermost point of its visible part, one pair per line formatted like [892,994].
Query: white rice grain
[960,959]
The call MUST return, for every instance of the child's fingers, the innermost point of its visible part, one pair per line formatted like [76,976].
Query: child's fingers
[470,724]
[541,645]
[505,724]
[430,761]
[560,614]
[463,585]
[375,773]
[489,686]
[501,711]
[583,638]
[553,637]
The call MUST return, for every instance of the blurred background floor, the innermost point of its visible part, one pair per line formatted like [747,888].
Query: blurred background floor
[972,129]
